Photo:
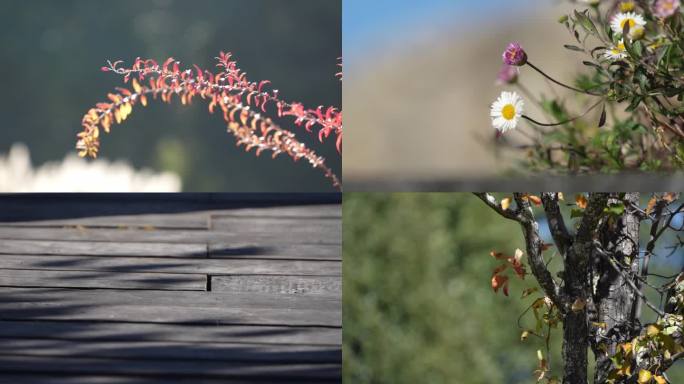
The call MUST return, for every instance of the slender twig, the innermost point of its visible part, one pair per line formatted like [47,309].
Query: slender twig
[658,211]
[562,122]
[561,84]
[524,215]
[626,278]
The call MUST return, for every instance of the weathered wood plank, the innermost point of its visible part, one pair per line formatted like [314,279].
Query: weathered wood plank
[330,211]
[169,307]
[123,332]
[163,350]
[102,279]
[94,248]
[193,220]
[327,231]
[280,251]
[266,245]
[173,265]
[168,368]
[288,285]
[116,234]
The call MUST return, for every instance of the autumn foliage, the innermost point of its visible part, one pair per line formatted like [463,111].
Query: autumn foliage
[243,103]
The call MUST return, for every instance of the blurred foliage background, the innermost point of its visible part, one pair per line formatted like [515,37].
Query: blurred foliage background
[417,302]
[52,52]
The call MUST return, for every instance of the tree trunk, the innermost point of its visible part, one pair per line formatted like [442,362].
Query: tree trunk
[613,300]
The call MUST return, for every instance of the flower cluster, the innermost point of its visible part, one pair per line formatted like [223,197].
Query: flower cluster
[635,55]
[242,102]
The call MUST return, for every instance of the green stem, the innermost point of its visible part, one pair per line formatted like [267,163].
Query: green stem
[562,122]
[561,84]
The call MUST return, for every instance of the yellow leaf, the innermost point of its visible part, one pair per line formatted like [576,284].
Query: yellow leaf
[660,380]
[578,305]
[652,330]
[136,87]
[505,203]
[645,376]
[601,325]
[581,201]
[524,335]
[106,122]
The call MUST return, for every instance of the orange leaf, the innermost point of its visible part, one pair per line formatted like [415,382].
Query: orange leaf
[536,200]
[651,205]
[497,255]
[499,282]
[581,201]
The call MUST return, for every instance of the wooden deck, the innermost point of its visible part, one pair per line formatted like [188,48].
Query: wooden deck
[192,288]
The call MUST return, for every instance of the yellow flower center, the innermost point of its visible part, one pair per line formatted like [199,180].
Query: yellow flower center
[631,22]
[627,6]
[508,112]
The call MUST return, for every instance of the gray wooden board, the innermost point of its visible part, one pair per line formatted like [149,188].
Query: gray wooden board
[280,251]
[169,307]
[173,265]
[165,350]
[114,331]
[192,220]
[49,247]
[201,369]
[287,285]
[101,279]
[314,230]
[265,244]
[299,211]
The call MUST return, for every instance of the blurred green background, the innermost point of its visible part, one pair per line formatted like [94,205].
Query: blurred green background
[417,301]
[52,52]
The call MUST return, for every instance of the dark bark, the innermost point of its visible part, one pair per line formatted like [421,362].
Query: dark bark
[577,290]
[613,299]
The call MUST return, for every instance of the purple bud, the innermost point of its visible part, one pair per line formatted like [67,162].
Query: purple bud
[508,74]
[514,55]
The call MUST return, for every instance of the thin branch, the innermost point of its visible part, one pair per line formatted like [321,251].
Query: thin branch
[654,235]
[557,227]
[495,205]
[627,278]
[533,245]
[524,215]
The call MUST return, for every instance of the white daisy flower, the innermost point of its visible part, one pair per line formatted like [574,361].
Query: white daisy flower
[636,24]
[506,111]
[617,52]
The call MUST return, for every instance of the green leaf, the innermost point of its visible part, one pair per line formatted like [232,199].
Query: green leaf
[573,48]
[615,210]
[585,22]
[576,213]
